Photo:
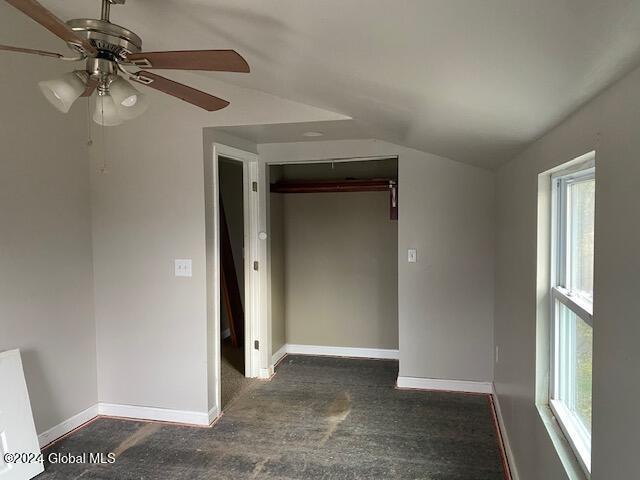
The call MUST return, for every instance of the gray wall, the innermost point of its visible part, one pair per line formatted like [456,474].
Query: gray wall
[608,124]
[277,272]
[445,301]
[46,279]
[446,298]
[149,209]
[341,270]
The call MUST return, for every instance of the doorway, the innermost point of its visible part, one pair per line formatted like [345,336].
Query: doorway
[233,175]
[233,378]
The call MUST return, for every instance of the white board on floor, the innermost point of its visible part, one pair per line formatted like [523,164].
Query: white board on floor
[17,430]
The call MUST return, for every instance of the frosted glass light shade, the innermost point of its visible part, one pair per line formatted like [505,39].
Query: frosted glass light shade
[62,92]
[129,101]
[106,113]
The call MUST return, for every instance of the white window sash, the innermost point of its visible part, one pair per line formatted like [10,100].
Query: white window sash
[578,305]
[561,262]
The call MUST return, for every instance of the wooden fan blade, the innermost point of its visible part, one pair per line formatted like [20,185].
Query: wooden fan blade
[9,48]
[91,85]
[183,92]
[209,60]
[48,20]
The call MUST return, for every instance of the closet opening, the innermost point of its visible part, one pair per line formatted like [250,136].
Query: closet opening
[334,258]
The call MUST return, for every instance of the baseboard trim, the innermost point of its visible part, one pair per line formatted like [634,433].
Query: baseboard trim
[266,373]
[130,412]
[156,414]
[67,426]
[352,352]
[214,415]
[513,470]
[276,357]
[464,386]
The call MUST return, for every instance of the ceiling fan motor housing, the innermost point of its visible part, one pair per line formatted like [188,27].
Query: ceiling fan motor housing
[112,41]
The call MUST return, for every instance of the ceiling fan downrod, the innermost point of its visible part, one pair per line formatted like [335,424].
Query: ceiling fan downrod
[106,8]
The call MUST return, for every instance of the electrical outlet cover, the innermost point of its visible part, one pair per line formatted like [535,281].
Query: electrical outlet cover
[183,267]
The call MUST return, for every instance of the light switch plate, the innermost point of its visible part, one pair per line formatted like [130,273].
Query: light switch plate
[183,267]
[412,255]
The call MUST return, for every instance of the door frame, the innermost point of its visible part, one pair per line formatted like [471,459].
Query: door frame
[254,330]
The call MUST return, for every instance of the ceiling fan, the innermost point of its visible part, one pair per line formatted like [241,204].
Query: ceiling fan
[110,53]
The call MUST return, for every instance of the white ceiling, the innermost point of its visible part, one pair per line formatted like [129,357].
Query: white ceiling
[473,80]
[295,132]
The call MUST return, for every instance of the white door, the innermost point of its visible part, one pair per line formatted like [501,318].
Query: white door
[17,431]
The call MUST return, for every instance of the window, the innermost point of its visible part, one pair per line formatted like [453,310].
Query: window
[572,307]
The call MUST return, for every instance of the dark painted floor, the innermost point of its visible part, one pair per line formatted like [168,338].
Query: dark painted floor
[324,418]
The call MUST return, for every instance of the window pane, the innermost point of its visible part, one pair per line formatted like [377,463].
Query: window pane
[580,222]
[584,361]
[574,364]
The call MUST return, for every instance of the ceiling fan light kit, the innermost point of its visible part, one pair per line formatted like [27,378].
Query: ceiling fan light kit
[106,112]
[111,52]
[129,101]
[64,91]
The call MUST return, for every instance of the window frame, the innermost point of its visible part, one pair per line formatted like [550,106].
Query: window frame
[576,434]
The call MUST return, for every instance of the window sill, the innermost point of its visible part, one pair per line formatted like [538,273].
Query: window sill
[576,435]
[565,452]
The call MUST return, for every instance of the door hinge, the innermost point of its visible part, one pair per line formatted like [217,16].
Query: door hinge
[256,345]
[256,265]
[254,186]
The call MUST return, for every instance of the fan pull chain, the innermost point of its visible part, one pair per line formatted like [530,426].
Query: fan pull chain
[89,139]
[103,169]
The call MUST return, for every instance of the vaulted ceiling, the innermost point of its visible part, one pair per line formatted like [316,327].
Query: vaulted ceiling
[473,80]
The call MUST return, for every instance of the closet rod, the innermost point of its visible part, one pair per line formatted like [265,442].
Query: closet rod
[375,185]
